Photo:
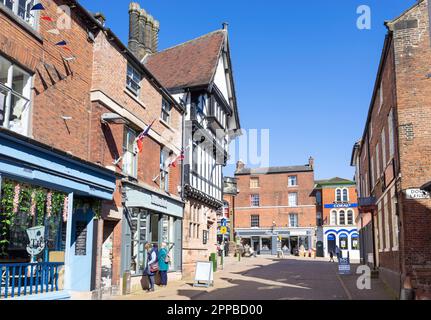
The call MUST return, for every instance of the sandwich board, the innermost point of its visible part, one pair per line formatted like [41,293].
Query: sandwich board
[204,276]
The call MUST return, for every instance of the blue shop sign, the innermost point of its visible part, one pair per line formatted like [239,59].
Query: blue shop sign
[344,266]
[341,205]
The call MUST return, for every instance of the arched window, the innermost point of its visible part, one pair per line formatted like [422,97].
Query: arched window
[345,195]
[349,217]
[338,194]
[344,243]
[333,217]
[355,241]
[342,217]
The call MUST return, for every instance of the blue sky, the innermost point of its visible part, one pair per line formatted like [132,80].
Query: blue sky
[302,68]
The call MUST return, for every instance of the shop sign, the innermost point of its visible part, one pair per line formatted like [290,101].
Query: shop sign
[417,194]
[341,205]
[158,201]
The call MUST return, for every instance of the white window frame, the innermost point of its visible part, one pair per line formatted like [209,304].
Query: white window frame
[166,111]
[333,218]
[164,169]
[253,179]
[394,221]
[29,17]
[383,142]
[289,178]
[295,202]
[295,220]
[387,227]
[254,199]
[380,225]
[8,92]
[339,214]
[377,162]
[133,77]
[130,156]
[251,221]
[391,134]
[353,217]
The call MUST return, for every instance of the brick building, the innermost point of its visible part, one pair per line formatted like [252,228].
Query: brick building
[392,158]
[45,154]
[230,191]
[336,205]
[276,202]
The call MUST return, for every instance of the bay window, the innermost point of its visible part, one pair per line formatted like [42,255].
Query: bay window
[15,89]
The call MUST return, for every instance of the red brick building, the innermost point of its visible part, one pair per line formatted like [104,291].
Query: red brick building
[392,158]
[276,202]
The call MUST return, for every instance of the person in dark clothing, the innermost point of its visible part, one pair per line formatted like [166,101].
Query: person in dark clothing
[152,265]
[331,256]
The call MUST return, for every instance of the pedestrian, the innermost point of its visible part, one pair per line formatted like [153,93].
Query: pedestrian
[337,253]
[164,260]
[331,256]
[152,265]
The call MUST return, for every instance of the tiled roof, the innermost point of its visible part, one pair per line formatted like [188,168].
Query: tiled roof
[190,64]
[269,170]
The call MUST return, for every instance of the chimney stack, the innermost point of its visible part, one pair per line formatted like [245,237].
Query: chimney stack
[143,31]
[240,165]
[311,162]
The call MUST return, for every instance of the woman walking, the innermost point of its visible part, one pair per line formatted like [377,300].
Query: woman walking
[164,260]
[152,265]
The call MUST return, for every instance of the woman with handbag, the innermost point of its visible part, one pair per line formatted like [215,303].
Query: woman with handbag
[152,265]
[164,261]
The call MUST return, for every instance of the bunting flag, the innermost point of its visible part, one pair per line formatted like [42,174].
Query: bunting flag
[46,18]
[140,138]
[37,6]
[54,31]
[63,44]
[178,158]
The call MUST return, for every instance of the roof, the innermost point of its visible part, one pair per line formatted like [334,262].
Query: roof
[334,181]
[190,64]
[269,170]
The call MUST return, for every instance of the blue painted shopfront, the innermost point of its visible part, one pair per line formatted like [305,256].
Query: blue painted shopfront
[28,161]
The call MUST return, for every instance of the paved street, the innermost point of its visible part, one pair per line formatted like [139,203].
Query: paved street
[269,278]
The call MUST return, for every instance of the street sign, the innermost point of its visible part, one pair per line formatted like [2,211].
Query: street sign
[417,194]
[223,222]
[223,230]
[344,266]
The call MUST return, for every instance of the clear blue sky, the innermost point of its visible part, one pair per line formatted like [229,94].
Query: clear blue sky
[302,68]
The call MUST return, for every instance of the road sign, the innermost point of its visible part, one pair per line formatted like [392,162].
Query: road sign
[223,222]
[223,230]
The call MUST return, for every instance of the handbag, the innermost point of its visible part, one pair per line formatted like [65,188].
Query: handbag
[167,259]
[154,267]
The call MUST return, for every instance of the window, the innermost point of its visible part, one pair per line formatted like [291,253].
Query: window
[380,224]
[254,182]
[200,103]
[164,170]
[383,139]
[380,96]
[133,80]
[195,225]
[139,237]
[387,226]
[254,221]
[344,243]
[333,217]
[338,195]
[166,111]
[318,197]
[130,157]
[15,91]
[342,217]
[355,242]
[394,220]
[373,174]
[377,162]
[293,199]
[254,199]
[292,181]
[22,9]
[345,195]
[293,220]
[391,133]
[350,217]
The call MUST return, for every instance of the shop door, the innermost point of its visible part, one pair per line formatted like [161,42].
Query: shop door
[107,253]
[331,243]
[255,245]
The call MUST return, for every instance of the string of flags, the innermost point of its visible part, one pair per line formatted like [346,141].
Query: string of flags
[139,139]
[63,44]
[180,157]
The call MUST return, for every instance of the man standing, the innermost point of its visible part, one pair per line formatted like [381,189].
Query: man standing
[338,253]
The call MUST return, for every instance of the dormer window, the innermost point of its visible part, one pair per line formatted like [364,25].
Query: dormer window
[134,78]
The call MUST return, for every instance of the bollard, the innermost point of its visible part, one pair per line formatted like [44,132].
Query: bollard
[213,258]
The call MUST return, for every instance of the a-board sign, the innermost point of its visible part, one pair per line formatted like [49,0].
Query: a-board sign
[344,266]
[204,276]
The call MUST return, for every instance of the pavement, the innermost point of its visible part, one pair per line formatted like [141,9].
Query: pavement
[271,278]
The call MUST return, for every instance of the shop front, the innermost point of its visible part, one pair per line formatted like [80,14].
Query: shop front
[48,204]
[150,216]
[346,238]
[269,241]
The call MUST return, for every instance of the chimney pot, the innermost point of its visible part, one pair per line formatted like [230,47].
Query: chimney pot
[240,165]
[225,25]
[100,17]
[311,162]
[134,6]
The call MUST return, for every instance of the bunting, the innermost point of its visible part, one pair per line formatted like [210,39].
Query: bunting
[140,138]
[178,158]
[63,44]
[37,6]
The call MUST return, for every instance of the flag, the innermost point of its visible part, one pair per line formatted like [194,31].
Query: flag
[46,18]
[37,6]
[63,44]
[178,158]
[142,136]
[54,31]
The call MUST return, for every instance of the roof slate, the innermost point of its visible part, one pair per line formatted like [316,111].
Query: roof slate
[269,170]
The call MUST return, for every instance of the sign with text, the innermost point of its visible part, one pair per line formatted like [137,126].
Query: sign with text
[341,205]
[417,194]
[344,266]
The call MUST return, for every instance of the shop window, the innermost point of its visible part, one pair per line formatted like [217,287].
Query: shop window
[133,81]
[254,200]
[21,8]
[254,221]
[355,242]
[266,244]
[130,157]
[343,239]
[15,91]
[166,111]
[139,238]
[23,206]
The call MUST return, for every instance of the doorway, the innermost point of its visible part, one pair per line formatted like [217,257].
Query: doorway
[294,249]
[255,244]
[107,254]
[331,242]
